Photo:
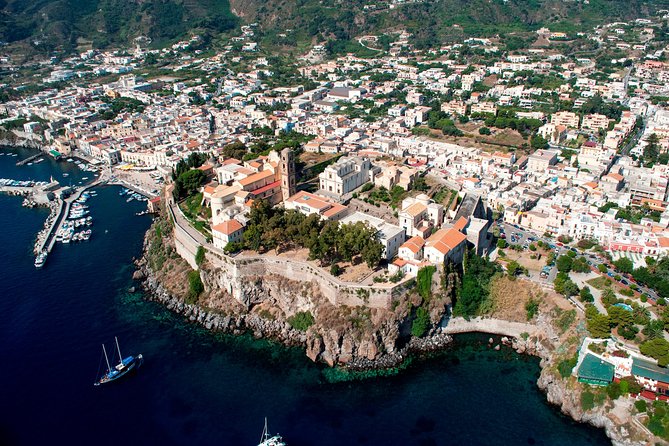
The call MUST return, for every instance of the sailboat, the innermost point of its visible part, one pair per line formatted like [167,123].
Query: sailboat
[122,368]
[266,440]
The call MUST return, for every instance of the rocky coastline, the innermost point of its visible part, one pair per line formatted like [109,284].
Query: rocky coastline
[377,348]
[282,332]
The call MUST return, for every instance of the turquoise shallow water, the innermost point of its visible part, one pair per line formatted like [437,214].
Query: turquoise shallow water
[197,388]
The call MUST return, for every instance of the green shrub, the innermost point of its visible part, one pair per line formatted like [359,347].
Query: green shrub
[566,366]
[587,400]
[531,308]
[199,255]
[424,281]
[420,323]
[335,270]
[613,390]
[641,406]
[301,321]
[195,286]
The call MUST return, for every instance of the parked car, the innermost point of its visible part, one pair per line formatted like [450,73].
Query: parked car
[624,282]
[610,274]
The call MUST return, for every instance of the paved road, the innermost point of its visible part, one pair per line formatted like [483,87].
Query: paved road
[524,237]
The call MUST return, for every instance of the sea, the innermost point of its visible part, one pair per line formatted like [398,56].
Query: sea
[202,388]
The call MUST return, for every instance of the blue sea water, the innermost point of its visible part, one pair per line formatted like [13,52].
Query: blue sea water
[198,388]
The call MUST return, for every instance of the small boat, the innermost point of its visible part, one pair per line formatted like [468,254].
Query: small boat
[267,440]
[122,368]
[40,259]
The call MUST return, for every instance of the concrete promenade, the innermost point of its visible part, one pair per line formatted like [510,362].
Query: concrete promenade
[487,325]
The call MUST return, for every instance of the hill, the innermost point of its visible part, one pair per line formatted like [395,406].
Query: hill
[62,23]
[50,24]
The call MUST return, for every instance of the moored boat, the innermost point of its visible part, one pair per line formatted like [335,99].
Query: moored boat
[267,440]
[125,366]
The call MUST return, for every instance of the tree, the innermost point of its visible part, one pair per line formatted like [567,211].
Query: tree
[484,131]
[602,268]
[656,348]
[564,263]
[652,149]
[538,142]
[599,326]
[580,265]
[586,295]
[190,181]
[501,243]
[624,265]
[513,268]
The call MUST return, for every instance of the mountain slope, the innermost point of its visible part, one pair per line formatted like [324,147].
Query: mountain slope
[60,23]
[55,23]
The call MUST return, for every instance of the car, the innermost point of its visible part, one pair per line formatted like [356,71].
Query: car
[610,274]
[624,282]
[573,249]
[502,235]
[560,244]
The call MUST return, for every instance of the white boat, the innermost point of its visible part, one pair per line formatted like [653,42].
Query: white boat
[40,259]
[267,440]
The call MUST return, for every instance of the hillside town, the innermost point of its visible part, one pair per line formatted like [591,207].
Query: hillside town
[479,146]
[598,136]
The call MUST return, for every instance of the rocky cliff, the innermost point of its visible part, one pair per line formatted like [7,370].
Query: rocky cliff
[292,312]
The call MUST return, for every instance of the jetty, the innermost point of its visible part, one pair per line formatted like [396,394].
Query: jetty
[29,159]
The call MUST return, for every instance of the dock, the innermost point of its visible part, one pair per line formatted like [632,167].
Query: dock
[29,159]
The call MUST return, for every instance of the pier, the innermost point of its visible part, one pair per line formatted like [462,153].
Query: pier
[29,159]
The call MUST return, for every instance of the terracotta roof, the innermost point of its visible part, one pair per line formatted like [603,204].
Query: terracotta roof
[256,177]
[461,223]
[415,209]
[445,239]
[227,227]
[414,244]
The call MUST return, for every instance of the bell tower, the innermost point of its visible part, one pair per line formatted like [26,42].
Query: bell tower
[287,173]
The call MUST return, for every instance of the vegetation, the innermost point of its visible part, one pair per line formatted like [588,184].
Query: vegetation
[566,366]
[330,242]
[301,321]
[187,178]
[475,289]
[424,281]
[656,348]
[195,287]
[421,323]
[199,255]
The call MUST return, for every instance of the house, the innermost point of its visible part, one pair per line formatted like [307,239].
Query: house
[309,204]
[595,371]
[420,215]
[412,249]
[541,160]
[443,244]
[344,176]
[229,231]
[565,118]
[390,236]
[651,376]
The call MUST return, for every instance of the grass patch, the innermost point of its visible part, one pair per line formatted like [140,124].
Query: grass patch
[600,283]
[301,321]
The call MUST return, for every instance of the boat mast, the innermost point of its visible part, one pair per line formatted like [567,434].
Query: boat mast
[264,432]
[106,358]
[120,357]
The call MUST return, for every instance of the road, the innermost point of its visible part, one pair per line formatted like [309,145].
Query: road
[524,237]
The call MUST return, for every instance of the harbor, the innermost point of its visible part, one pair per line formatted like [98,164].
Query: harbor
[69,219]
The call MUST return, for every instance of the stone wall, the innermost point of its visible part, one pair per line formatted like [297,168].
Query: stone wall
[232,272]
